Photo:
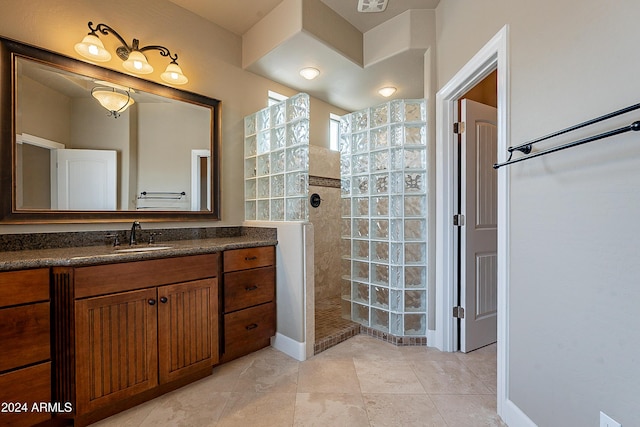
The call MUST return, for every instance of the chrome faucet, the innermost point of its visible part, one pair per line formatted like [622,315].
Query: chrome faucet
[132,236]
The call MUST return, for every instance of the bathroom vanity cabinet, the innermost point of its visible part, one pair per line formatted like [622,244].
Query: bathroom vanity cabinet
[127,332]
[249,300]
[91,331]
[25,358]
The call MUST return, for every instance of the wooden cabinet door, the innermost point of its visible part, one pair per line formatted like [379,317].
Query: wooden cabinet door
[187,328]
[116,352]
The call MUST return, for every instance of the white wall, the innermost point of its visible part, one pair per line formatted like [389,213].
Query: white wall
[573,345]
[295,334]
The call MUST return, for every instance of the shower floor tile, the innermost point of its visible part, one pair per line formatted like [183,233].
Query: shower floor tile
[331,328]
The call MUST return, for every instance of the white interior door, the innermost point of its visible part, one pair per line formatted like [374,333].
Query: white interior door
[83,179]
[478,242]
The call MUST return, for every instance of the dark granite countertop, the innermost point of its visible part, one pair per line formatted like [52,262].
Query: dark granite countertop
[106,254]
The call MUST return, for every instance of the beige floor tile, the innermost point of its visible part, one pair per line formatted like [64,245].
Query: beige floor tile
[133,417]
[330,409]
[195,408]
[377,376]
[484,369]
[468,411]
[423,353]
[486,352]
[492,385]
[226,376]
[328,376]
[277,375]
[448,377]
[362,347]
[402,386]
[258,410]
[406,410]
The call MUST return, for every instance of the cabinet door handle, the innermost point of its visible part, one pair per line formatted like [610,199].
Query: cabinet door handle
[250,258]
[152,302]
[163,300]
[251,288]
[251,326]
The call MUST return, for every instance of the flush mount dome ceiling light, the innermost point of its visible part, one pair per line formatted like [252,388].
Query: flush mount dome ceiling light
[387,91]
[135,61]
[368,6]
[309,73]
[113,99]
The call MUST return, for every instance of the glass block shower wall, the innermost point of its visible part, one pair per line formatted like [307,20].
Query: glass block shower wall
[384,210]
[276,161]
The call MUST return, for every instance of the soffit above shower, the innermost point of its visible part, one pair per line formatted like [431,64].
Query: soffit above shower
[238,16]
[357,53]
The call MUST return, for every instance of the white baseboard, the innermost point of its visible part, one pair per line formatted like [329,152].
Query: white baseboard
[289,346]
[514,417]
[431,338]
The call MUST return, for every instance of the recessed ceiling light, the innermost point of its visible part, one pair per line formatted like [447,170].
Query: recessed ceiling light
[387,91]
[372,5]
[309,73]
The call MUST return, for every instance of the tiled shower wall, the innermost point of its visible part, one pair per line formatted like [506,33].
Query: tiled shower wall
[324,180]
[384,217]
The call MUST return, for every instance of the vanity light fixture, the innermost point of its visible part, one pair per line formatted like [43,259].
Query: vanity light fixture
[309,73]
[115,100]
[387,91]
[135,61]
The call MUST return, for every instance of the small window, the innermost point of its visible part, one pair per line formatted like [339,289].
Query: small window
[275,97]
[334,132]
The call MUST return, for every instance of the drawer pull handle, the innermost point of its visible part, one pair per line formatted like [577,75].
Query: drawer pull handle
[251,288]
[251,326]
[250,258]
[163,300]
[152,302]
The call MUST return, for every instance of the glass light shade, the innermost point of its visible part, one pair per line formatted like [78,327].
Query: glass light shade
[173,74]
[112,100]
[309,73]
[387,91]
[137,63]
[92,48]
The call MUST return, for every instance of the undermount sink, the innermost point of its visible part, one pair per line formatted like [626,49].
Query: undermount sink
[143,249]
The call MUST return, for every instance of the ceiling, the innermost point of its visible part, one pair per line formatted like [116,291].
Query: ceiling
[342,83]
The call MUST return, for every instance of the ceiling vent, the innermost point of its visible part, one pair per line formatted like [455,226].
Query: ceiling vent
[372,5]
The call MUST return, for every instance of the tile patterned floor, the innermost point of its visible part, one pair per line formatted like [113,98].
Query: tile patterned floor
[359,382]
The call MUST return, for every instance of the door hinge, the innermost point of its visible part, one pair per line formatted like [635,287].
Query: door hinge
[458,220]
[458,128]
[458,312]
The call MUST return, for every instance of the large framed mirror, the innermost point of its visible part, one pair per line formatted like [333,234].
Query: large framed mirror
[64,157]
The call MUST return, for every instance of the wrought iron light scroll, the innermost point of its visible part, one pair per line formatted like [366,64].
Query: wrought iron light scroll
[134,59]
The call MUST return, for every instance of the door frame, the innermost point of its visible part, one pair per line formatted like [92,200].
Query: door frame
[196,155]
[494,55]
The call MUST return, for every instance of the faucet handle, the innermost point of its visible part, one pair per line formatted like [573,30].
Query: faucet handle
[116,239]
[152,235]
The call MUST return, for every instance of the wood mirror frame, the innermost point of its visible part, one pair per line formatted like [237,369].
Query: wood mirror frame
[10,50]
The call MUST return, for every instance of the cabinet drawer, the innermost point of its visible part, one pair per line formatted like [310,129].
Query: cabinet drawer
[21,287]
[29,385]
[24,334]
[244,289]
[243,259]
[112,278]
[248,330]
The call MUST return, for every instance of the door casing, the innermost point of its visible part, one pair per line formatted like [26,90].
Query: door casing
[494,55]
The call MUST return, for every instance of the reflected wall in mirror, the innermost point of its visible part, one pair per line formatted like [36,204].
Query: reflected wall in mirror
[72,159]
